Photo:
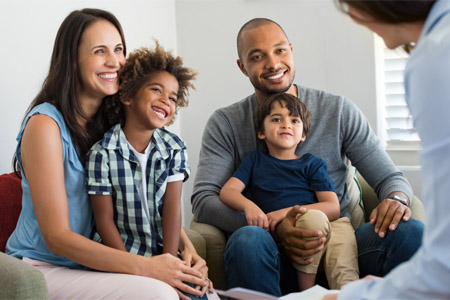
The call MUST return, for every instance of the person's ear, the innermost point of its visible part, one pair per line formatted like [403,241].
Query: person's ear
[126,102]
[241,66]
[303,138]
[261,136]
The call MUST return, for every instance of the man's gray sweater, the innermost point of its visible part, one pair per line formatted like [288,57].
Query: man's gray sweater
[338,130]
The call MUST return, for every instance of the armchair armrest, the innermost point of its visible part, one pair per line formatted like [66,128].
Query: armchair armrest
[19,280]
[198,241]
[215,246]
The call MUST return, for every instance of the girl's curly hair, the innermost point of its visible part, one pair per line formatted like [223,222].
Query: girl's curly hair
[141,65]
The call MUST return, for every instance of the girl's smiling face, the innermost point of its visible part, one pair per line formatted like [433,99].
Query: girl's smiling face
[155,102]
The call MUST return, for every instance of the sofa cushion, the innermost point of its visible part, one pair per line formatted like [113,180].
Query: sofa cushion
[10,206]
[356,207]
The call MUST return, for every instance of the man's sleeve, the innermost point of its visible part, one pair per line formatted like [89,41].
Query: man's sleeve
[216,165]
[366,153]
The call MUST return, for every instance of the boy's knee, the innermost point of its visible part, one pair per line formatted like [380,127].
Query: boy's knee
[314,219]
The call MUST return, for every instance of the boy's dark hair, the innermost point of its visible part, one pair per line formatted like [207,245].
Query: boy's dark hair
[141,65]
[295,106]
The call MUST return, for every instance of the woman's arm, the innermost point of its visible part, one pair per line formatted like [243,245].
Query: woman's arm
[102,207]
[231,194]
[42,161]
[171,217]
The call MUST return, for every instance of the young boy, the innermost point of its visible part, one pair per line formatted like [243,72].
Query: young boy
[277,180]
[135,173]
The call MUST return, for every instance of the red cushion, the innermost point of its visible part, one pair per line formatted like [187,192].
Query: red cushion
[10,206]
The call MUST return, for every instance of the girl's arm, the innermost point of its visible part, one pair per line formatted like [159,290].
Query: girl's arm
[42,161]
[189,254]
[171,217]
[102,207]
[191,258]
[231,194]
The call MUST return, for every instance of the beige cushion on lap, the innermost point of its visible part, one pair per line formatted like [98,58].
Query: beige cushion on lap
[354,192]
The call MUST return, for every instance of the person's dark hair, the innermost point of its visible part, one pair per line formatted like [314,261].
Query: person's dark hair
[391,12]
[62,85]
[295,106]
[141,65]
[253,23]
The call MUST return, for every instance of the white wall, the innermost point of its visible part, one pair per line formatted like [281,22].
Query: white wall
[330,53]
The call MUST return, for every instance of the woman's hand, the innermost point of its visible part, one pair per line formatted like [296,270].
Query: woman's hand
[176,273]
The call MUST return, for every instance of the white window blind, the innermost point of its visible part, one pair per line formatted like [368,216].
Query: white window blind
[398,120]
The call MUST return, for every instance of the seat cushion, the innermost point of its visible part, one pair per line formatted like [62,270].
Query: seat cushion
[10,206]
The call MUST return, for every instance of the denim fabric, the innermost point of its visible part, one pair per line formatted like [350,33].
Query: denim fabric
[252,258]
[378,256]
[193,297]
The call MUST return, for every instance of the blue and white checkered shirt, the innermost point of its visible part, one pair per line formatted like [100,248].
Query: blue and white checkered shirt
[113,169]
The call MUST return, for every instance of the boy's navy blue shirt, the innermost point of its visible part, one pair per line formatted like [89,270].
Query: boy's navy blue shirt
[275,184]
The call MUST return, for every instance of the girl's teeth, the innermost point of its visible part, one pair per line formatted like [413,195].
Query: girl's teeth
[160,113]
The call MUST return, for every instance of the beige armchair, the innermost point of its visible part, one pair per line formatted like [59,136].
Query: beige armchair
[214,239]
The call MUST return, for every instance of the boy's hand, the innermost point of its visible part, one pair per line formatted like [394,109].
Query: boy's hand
[255,216]
[275,217]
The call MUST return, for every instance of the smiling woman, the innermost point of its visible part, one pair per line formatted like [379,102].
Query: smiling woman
[64,120]
[99,60]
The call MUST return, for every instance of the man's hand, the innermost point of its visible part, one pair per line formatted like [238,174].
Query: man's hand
[388,214]
[291,239]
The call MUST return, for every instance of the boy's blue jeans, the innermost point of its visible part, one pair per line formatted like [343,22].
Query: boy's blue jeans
[253,260]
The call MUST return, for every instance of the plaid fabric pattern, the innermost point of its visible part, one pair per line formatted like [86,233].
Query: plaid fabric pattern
[113,169]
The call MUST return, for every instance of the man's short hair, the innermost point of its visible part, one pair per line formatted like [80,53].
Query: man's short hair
[253,23]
